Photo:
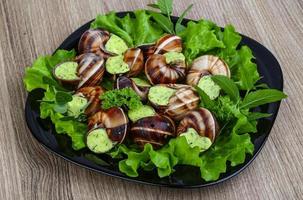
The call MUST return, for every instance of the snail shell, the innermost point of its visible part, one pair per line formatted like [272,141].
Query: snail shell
[160,72]
[147,49]
[134,58]
[168,43]
[90,69]
[203,121]
[92,94]
[156,130]
[93,41]
[113,120]
[123,82]
[206,65]
[184,100]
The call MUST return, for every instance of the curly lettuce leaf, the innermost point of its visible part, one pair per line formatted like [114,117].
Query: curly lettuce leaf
[42,67]
[199,38]
[73,128]
[135,31]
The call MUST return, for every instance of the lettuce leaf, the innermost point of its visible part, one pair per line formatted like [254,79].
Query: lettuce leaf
[73,128]
[135,31]
[42,67]
[199,38]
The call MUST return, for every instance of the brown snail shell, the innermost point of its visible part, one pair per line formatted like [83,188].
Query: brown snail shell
[156,130]
[90,70]
[147,49]
[203,121]
[158,71]
[113,120]
[134,58]
[93,41]
[124,82]
[168,43]
[206,65]
[182,101]
[92,94]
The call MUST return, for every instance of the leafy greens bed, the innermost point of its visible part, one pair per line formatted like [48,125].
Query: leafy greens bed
[232,110]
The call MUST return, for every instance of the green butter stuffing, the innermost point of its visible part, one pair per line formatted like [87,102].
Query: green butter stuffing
[173,57]
[76,106]
[98,141]
[116,65]
[160,95]
[195,140]
[141,112]
[67,71]
[209,87]
[116,45]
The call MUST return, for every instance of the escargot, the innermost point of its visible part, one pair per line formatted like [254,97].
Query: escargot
[90,69]
[168,43]
[155,130]
[113,120]
[93,41]
[204,66]
[92,95]
[174,100]
[202,121]
[66,74]
[134,58]
[159,71]
[147,49]
[140,87]
[106,129]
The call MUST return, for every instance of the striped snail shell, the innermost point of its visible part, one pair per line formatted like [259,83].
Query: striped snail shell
[168,43]
[206,65]
[134,58]
[92,94]
[155,130]
[147,49]
[184,100]
[203,121]
[90,69]
[158,71]
[124,82]
[113,120]
[93,41]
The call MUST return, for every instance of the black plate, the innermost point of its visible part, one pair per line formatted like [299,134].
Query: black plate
[185,176]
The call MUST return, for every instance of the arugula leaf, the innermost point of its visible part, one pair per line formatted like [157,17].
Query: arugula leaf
[229,87]
[166,6]
[153,5]
[179,27]
[36,75]
[260,97]
[163,21]
[118,98]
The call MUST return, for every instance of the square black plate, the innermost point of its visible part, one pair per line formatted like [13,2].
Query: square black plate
[184,176]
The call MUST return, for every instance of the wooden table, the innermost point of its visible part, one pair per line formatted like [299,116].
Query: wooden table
[36,27]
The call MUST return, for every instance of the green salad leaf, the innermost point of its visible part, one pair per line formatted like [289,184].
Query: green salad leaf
[74,129]
[260,97]
[198,38]
[39,75]
[135,31]
[228,86]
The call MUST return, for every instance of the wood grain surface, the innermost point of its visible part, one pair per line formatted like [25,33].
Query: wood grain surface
[36,27]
